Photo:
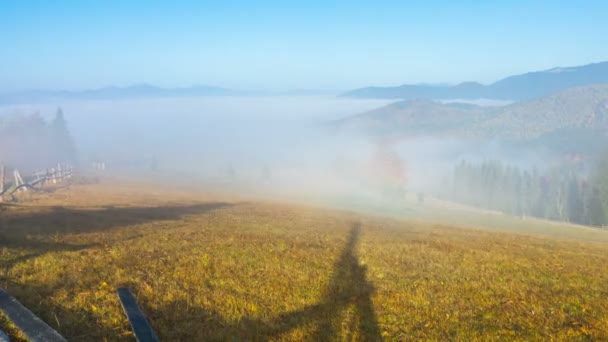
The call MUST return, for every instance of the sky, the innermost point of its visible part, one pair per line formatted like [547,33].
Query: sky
[281,45]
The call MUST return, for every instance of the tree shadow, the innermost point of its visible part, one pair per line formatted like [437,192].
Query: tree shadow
[57,219]
[42,248]
[39,231]
[36,232]
[348,288]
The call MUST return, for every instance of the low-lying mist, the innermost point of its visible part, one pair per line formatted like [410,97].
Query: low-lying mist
[271,146]
[275,145]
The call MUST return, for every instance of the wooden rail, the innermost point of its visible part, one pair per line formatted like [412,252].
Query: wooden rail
[139,324]
[30,325]
[34,182]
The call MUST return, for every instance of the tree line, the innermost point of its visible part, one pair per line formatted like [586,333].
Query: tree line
[564,193]
[29,142]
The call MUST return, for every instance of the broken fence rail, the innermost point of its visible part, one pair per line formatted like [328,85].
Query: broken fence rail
[139,324]
[37,179]
[35,329]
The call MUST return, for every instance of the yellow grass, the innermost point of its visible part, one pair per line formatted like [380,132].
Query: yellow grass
[211,268]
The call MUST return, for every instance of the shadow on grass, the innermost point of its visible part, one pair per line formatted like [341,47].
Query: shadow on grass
[37,232]
[34,232]
[54,220]
[348,289]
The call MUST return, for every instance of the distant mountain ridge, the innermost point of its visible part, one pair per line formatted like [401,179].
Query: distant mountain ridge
[147,91]
[580,109]
[113,92]
[519,87]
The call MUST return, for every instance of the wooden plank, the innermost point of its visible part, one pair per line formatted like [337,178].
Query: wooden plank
[32,327]
[139,324]
[2,173]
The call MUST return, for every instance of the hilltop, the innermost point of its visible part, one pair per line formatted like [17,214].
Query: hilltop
[581,110]
[414,117]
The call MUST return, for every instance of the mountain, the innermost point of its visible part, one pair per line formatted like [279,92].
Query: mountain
[413,117]
[147,91]
[579,110]
[571,109]
[519,87]
[111,93]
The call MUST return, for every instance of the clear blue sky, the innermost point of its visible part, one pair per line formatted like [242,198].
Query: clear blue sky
[283,45]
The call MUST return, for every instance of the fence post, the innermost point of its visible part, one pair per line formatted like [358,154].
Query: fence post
[18,180]
[2,169]
[1,182]
[16,176]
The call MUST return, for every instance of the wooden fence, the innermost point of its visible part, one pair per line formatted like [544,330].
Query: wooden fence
[34,182]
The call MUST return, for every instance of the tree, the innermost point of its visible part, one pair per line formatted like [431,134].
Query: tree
[575,206]
[65,149]
[600,181]
[595,209]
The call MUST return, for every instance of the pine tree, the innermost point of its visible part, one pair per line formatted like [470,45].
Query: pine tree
[574,205]
[528,194]
[595,209]
[65,149]
[600,181]
[517,199]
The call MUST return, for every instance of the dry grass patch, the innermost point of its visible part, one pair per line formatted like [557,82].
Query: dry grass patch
[223,269]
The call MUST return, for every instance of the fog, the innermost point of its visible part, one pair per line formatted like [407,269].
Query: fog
[278,146]
[286,148]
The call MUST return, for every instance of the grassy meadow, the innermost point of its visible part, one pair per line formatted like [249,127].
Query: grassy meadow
[211,267]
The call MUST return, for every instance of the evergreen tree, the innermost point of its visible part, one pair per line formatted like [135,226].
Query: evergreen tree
[601,180]
[595,209]
[575,206]
[528,194]
[560,194]
[517,200]
[65,149]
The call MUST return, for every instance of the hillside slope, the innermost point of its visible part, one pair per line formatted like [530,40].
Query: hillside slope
[414,117]
[582,108]
[210,269]
[576,108]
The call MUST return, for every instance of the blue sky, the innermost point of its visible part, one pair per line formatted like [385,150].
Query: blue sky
[286,45]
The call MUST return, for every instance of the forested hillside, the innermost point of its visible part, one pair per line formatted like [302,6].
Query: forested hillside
[576,108]
[565,193]
[570,111]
